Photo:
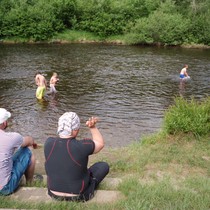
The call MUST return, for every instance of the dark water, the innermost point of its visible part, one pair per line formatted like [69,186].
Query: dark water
[127,87]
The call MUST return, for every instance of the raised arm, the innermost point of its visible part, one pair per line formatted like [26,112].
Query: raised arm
[96,135]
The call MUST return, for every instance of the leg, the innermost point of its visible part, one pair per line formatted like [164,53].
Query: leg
[24,163]
[99,171]
[21,161]
[29,173]
[52,89]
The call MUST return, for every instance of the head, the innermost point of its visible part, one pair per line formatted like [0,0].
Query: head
[4,116]
[68,125]
[55,74]
[37,73]
[186,66]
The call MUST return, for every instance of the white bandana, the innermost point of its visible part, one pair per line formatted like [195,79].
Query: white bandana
[68,122]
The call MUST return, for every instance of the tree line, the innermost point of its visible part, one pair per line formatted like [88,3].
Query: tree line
[170,22]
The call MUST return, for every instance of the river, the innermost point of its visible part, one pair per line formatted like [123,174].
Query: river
[127,87]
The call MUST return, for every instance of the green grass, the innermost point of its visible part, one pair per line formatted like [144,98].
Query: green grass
[87,37]
[188,117]
[71,36]
[163,171]
[172,173]
[77,36]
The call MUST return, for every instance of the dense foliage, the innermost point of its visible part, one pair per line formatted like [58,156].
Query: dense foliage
[140,21]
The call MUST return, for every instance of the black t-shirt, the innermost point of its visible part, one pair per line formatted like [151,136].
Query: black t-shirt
[66,164]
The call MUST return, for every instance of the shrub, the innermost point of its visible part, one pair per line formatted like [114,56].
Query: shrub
[188,117]
[165,25]
[35,22]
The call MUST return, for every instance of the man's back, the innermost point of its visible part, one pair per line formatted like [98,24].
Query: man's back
[40,80]
[66,164]
[8,143]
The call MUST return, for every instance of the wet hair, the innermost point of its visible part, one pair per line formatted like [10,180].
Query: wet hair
[37,73]
[55,74]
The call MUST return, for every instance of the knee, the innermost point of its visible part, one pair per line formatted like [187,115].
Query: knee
[105,166]
[33,159]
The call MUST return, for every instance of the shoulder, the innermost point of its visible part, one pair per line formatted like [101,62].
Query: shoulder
[86,141]
[14,138]
[83,143]
[87,144]
[50,140]
[49,144]
[14,135]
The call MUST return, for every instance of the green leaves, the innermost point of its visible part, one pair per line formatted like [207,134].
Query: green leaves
[142,21]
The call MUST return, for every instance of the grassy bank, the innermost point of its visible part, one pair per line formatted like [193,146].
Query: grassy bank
[168,170]
[69,36]
[172,173]
[72,36]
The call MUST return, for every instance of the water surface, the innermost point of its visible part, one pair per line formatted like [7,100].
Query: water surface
[127,87]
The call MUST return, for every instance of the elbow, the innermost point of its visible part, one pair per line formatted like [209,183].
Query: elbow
[101,146]
[98,147]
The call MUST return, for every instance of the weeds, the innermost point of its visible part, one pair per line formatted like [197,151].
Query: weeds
[188,117]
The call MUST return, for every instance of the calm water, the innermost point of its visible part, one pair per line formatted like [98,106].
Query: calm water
[127,87]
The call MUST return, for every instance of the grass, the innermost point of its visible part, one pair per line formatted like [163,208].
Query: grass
[170,174]
[71,36]
[77,36]
[163,171]
[188,116]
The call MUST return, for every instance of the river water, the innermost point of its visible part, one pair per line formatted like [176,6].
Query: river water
[127,87]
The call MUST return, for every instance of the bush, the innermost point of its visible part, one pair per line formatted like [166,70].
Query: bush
[162,26]
[103,24]
[188,117]
[35,22]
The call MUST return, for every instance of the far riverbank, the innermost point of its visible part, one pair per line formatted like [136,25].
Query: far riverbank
[71,37]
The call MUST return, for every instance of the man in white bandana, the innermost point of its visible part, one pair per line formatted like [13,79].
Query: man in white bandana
[68,177]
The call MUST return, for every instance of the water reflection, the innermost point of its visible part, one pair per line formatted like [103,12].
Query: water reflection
[43,104]
[127,87]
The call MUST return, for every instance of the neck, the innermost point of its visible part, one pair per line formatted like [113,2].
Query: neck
[65,136]
[2,126]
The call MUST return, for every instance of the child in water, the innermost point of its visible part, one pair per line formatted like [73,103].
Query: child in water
[42,85]
[54,79]
[183,73]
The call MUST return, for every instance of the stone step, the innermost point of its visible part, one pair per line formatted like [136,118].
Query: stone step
[36,194]
[39,194]
[108,183]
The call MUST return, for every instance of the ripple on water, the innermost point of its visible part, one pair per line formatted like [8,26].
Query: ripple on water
[127,87]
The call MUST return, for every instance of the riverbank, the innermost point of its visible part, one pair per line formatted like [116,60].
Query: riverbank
[161,172]
[71,37]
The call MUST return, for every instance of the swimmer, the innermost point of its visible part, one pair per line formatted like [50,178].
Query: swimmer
[183,73]
[54,79]
[42,84]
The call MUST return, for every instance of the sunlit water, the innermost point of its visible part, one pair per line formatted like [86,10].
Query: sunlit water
[127,87]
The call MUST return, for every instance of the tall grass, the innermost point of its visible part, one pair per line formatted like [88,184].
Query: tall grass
[77,36]
[188,117]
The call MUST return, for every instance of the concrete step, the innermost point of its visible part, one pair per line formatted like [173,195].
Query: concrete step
[38,194]
[110,183]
